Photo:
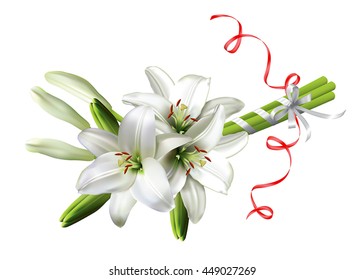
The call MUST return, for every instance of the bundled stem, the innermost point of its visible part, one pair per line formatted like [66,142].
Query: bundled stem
[321,93]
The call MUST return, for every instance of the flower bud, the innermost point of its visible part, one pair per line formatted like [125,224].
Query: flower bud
[58,149]
[75,85]
[58,108]
[104,119]
[179,219]
[82,207]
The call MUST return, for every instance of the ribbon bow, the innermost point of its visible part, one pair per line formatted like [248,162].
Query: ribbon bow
[293,109]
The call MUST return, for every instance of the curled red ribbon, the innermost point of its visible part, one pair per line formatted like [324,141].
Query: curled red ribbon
[238,39]
[281,144]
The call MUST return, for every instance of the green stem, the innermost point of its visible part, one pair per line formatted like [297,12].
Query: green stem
[257,120]
[318,83]
[318,101]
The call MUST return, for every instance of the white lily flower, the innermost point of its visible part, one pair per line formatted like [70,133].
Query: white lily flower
[76,85]
[182,108]
[58,149]
[126,166]
[58,108]
[179,106]
[197,165]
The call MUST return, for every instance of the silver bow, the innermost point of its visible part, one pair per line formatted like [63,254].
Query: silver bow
[294,109]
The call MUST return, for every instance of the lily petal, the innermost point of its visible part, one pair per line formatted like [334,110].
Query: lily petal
[231,144]
[105,176]
[168,142]
[206,133]
[75,85]
[175,171]
[193,91]
[160,105]
[194,198]
[151,187]
[57,149]
[231,106]
[162,127]
[177,178]
[169,161]
[98,141]
[121,204]
[216,175]
[159,80]
[137,132]
[58,108]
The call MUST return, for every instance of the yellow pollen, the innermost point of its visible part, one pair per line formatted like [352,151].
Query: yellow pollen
[120,162]
[202,163]
[183,107]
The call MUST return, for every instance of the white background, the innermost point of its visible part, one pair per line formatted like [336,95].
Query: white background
[317,230]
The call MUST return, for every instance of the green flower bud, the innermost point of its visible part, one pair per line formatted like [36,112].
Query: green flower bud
[179,219]
[58,149]
[104,119]
[58,108]
[82,207]
[75,85]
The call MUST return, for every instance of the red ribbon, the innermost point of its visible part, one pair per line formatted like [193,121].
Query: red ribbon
[281,144]
[238,39]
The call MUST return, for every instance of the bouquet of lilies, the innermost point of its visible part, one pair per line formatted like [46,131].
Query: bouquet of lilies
[163,153]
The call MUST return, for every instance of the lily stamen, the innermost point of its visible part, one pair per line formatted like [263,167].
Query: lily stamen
[170,111]
[178,102]
[127,168]
[183,107]
[194,119]
[129,157]
[193,159]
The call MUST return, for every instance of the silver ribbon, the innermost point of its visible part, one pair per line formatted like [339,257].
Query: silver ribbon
[244,125]
[293,109]
[265,115]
